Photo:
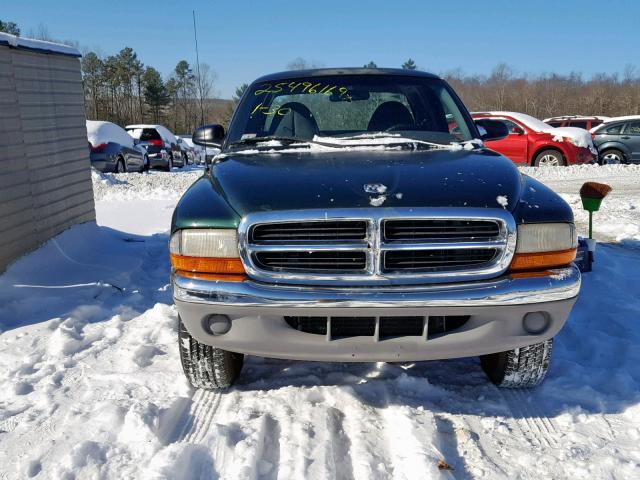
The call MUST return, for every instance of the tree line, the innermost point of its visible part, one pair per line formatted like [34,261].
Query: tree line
[121,89]
[549,95]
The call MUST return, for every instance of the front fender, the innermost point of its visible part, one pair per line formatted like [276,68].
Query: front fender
[617,145]
[204,205]
[539,204]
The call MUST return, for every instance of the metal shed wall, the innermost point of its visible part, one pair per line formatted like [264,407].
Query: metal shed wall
[45,177]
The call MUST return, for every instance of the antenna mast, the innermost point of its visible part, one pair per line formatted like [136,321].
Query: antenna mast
[195,36]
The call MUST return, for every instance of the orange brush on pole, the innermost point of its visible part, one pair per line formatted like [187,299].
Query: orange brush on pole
[592,194]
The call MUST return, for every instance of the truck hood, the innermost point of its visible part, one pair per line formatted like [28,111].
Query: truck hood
[353,179]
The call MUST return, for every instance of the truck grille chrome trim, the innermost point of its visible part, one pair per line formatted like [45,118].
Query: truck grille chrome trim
[377,246]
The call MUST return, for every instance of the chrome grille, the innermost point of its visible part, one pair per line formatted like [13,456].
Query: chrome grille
[377,246]
[323,231]
[440,229]
[312,261]
[437,260]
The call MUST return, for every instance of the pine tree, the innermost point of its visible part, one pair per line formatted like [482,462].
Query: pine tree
[9,27]
[371,65]
[239,92]
[155,92]
[409,65]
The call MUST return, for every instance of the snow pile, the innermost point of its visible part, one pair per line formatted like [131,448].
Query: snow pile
[619,216]
[153,185]
[92,385]
[104,132]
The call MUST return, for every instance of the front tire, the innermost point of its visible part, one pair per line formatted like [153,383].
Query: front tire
[612,157]
[205,366]
[169,164]
[549,158]
[121,167]
[519,368]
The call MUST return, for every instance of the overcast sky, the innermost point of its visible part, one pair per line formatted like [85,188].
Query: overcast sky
[244,39]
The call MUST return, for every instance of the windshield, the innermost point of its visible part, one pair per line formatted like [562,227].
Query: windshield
[343,106]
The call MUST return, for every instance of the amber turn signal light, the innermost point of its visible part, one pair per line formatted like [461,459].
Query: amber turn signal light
[207,264]
[539,260]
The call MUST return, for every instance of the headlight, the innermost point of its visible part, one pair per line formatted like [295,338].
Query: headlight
[205,242]
[544,245]
[546,237]
[206,253]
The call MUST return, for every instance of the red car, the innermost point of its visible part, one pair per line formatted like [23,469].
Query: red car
[535,143]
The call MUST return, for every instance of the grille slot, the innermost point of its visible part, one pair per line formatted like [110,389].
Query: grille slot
[401,327]
[436,260]
[320,261]
[318,231]
[440,230]
[439,325]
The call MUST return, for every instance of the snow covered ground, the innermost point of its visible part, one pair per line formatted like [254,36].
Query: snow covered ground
[91,384]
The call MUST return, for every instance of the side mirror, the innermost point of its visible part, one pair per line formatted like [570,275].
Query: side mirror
[209,136]
[493,129]
[516,131]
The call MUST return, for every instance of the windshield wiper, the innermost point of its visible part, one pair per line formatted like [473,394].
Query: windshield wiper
[284,141]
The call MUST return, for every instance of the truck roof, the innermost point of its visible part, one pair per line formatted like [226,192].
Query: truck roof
[321,72]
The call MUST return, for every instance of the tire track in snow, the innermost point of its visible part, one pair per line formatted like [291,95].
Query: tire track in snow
[534,425]
[365,430]
[200,416]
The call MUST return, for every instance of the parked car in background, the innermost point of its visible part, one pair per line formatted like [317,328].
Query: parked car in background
[348,223]
[162,146]
[188,153]
[198,151]
[111,149]
[618,140]
[578,121]
[535,143]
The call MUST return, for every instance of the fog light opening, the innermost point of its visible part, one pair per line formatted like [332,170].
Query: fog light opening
[217,324]
[536,323]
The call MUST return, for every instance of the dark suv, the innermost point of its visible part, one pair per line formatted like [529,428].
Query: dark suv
[354,215]
[618,140]
[162,146]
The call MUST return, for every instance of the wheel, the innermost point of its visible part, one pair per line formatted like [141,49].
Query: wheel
[205,366]
[184,161]
[169,163]
[549,158]
[120,166]
[611,157]
[522,367]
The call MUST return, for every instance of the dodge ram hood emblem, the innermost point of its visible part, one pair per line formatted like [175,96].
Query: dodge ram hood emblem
[378,188]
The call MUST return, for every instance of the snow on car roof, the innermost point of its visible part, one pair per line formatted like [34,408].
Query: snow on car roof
[619,119]
[527,120]
[104,132]
[576,117]
[38,45]
[164,132]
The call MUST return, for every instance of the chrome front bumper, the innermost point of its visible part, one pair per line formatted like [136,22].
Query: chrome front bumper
[496,308]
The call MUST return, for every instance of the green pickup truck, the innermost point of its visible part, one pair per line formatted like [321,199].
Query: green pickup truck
[355,215]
